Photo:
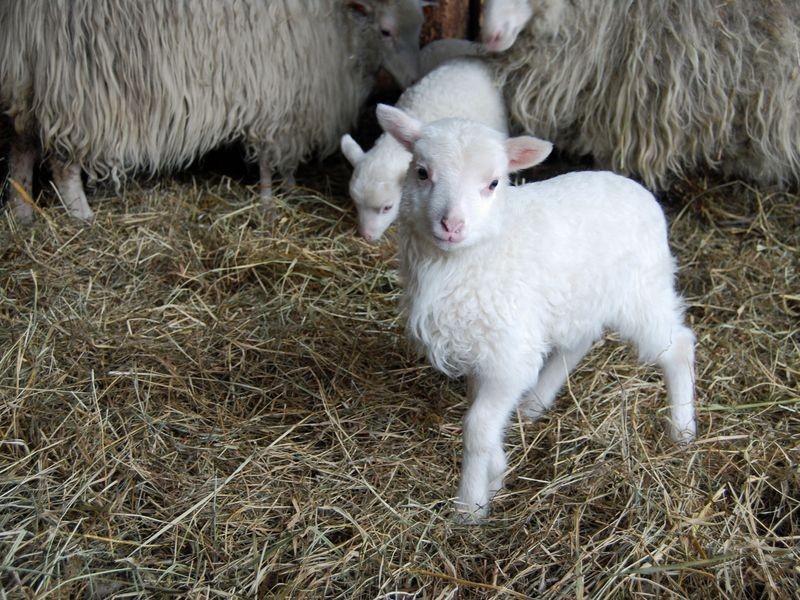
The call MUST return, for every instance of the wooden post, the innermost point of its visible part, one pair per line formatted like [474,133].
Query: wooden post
[449,19]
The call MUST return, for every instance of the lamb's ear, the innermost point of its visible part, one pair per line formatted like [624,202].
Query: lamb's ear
[526,151]
[351,150]
[400,125]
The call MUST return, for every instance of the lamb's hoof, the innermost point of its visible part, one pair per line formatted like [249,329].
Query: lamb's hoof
[473,514]
[531,411]
[531,415]
[683,436]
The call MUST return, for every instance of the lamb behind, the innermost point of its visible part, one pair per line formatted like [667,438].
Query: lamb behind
[512,285]
[112,87]
[458,88]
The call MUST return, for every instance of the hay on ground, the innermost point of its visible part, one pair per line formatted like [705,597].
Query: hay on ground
[196,402]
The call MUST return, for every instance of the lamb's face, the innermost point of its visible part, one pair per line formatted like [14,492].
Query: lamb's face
[456,178]
[377,203]
[376,193]
[375,187]
[455,184]
[502,22]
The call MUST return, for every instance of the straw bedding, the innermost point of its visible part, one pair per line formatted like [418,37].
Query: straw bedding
[197,402]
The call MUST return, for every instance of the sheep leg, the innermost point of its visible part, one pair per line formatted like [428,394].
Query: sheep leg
[288,178]
[484,461]
[20,169]
[677,363]
[553,376]
[265,182]
[67,179]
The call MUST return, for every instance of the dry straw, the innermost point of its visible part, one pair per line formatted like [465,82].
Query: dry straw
[198,403]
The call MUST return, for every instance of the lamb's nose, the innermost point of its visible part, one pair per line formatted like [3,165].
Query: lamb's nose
[452,225]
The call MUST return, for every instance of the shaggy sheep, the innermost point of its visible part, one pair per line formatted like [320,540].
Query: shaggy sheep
[459,88]
[111,87]
[659,88]
[512,285]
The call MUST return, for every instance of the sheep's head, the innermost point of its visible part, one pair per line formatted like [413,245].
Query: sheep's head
[502,22]
[399,23]
[375,187]
[457,175]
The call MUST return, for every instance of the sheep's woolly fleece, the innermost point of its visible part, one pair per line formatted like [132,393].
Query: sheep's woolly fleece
[73,94]
[196,402]
[664,87]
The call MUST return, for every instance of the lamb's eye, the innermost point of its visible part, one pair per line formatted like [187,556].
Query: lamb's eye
[386,209]
[386,33]
[422,173]
[493,184]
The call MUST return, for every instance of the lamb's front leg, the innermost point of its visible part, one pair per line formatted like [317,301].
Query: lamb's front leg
[484,461]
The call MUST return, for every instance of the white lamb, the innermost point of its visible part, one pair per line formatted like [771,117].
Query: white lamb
[510,286]
[458,88]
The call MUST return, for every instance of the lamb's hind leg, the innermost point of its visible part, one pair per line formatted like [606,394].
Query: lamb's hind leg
[21,163]
[677,363]
[552,378]
[67,179]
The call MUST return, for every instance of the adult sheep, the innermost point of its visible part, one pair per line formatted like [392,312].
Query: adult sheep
[113,87]
[659,88]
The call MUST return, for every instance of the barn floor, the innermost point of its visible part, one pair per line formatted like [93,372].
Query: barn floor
[199,403]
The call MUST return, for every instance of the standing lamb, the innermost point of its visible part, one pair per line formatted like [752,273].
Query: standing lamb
[510,286]
[659,89]
[458,88]
[112,87]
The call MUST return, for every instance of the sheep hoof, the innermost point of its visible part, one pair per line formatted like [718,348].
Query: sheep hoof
[84,214]
[269,211]
[22,211]
[289,181]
